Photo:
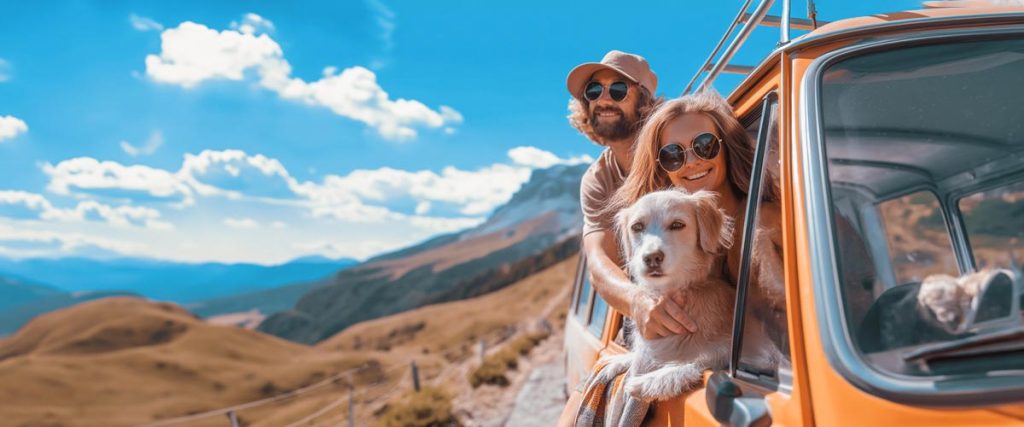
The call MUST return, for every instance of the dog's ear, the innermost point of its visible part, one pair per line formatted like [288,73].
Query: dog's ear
[713,225]
[622,232]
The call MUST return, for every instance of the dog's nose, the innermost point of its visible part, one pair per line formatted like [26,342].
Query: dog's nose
[654,259]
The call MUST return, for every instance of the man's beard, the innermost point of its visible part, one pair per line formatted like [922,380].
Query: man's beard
[617,130]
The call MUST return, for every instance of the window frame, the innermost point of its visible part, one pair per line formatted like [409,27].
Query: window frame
[938,391]
[782,381]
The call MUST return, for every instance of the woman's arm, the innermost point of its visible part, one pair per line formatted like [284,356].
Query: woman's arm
[654,318]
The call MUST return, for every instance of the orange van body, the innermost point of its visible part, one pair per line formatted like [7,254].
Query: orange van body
[817,393]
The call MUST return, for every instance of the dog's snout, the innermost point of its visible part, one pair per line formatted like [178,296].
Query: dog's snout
[654,259]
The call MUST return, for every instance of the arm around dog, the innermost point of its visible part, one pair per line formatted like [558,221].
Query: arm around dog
[654,318]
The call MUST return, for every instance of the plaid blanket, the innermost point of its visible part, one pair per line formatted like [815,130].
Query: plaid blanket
[605,403]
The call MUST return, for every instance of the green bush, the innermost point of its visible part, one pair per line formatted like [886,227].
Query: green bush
[431,407]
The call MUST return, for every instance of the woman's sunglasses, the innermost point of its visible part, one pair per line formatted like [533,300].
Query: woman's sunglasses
[673,156]
[617,91]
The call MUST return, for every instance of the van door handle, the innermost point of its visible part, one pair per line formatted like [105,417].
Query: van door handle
[730,407]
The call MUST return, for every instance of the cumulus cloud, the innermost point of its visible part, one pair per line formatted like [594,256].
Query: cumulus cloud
[89,174]
[361,196]
[243,223]
[192,53]
[88,210]
[142,23]
[155,140]
[541,159]
[11,126]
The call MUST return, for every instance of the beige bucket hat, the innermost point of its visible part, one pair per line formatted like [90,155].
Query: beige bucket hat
[633,67]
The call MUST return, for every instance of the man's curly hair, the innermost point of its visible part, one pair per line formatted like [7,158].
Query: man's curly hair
[579,116]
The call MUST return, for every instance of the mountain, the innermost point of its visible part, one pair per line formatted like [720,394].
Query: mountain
[166,280]
[15,291]
[21,300]
[538,227]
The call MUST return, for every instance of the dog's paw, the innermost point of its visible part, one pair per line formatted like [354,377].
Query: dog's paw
[615,366]
[664,383]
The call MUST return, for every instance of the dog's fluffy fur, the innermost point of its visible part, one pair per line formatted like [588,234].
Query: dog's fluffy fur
[670,240]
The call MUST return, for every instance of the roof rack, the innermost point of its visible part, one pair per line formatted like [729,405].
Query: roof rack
[750,20]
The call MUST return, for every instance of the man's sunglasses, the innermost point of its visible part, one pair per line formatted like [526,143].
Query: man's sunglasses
[617,91]
[673,156]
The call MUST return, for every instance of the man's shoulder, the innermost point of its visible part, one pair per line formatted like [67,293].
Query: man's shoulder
[601,168]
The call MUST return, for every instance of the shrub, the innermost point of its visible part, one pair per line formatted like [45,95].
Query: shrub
[431,407]
[492,370]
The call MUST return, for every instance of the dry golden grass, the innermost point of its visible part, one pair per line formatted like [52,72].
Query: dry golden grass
[128,361]
[454,328]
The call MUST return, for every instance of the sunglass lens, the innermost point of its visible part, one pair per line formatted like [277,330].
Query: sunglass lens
[593,91]
[618,91]
[706,146]
[672,157]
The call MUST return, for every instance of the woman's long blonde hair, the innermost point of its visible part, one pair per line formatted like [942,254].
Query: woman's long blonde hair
[645,176]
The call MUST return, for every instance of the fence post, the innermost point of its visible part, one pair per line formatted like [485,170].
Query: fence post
[233,417]
[415,377]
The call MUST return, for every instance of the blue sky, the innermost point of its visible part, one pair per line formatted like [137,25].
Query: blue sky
[262,131]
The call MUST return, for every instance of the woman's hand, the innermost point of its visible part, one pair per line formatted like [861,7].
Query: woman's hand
[661,316]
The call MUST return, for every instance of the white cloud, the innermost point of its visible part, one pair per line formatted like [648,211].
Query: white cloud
[65,242]
[244,223]
[385,19]
[5,70]
[87,210]
[86,173]
[389,206]
[155,140]
[252,23]
[142,23]
[541,159]
[11,126]
[192,53]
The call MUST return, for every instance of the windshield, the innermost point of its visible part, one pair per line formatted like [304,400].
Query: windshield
[925,149]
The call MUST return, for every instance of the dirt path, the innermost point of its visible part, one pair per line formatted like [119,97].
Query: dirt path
[542,398]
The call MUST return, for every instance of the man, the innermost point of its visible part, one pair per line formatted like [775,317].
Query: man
[611,99]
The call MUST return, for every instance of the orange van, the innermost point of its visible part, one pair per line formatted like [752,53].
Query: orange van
[897,144]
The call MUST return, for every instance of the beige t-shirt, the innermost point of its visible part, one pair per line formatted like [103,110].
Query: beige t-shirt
[599,183]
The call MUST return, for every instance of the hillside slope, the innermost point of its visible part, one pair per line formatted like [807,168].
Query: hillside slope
[537,228]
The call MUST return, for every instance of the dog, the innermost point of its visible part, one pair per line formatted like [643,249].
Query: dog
[671,240]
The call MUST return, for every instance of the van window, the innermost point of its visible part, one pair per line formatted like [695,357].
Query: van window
[917,237]
[583,299]
[598,315]
[995,225]
[764,310]
[907,131]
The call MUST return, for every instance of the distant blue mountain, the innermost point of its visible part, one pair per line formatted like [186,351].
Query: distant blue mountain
[165,280]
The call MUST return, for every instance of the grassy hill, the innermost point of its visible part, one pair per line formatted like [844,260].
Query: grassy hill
[129,361]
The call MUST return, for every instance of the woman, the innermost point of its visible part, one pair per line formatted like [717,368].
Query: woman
[696,143]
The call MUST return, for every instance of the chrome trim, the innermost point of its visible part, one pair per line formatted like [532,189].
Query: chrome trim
[741,17]
[784,28]
[811,39]
[959,390]
[730,51]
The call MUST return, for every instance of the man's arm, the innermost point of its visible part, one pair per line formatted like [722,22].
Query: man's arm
[654,318]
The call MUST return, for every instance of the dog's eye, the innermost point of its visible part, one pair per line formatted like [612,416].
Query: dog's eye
[637,227]
[677,225]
